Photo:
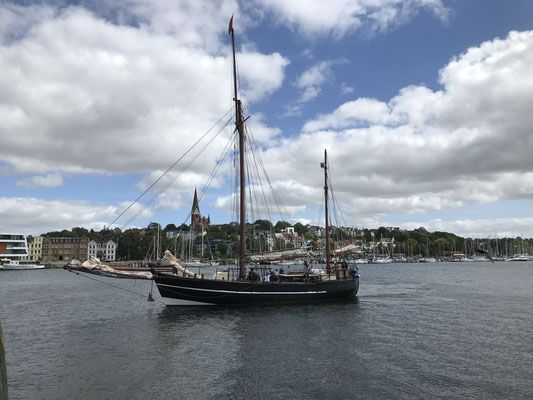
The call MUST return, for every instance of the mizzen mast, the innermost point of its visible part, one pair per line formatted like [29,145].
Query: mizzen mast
[239,124]
[325,166]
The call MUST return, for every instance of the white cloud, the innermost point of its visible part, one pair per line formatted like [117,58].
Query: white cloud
[310,83]
[426,150]
[271,209]
[263,74]
[315,75]
[339,17]
[47,181]
[36,216]
[495,228]
[353,113]
[263,134]
[169,201]
[175,188]
[16,20]
[312,79]
[345,89]
[95,96]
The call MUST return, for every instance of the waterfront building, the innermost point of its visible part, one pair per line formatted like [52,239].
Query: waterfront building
[172,234]
[266,239]
[315,230]
[288,230]
[13,246]
[65,248]
[105,251]
[350,231]
[213,246]
[35,248]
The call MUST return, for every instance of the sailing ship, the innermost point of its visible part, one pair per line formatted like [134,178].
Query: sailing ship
[183,287]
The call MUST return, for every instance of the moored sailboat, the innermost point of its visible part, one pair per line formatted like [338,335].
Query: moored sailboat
[236,287]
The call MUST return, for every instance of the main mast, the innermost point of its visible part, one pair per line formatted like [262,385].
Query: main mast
[239,123]
[325,166]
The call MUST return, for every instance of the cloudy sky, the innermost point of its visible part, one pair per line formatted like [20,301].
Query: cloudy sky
[424,106]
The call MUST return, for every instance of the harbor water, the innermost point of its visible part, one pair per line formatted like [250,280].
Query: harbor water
[415,331]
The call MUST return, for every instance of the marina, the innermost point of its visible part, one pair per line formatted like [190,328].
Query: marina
[364,174]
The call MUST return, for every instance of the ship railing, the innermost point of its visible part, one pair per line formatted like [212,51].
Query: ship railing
[232,273]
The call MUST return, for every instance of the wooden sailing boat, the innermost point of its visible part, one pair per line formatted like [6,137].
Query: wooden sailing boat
[182,287]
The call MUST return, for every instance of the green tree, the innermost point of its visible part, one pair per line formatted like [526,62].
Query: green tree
[170,227]
[263,224]
[340,234]
[309,236]
[399,236]
[300,229]
[80,232]
[281,225]
[153,226]
[442,244]
[279,244]
[222,248]
[383,233]
[411,247]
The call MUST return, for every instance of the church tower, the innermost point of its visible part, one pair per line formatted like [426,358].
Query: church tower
[196,217]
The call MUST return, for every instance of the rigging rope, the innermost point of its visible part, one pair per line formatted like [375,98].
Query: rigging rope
[212,175]
[178,173]
[185,103]
[114,286]
[170,168]
[261,170]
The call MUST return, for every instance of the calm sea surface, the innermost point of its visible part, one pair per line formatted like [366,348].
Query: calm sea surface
[416,331]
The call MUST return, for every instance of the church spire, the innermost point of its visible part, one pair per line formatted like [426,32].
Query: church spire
[195,211]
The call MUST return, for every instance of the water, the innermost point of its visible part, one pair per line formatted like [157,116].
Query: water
[416,331]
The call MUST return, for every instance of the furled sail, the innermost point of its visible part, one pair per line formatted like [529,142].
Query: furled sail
[169,260]
[279,254]
[351,248]
[93,265]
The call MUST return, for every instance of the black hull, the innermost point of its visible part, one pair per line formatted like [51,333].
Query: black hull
[177,290]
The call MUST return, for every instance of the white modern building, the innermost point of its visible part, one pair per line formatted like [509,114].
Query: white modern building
[13,246]
[107,249]
[289,230]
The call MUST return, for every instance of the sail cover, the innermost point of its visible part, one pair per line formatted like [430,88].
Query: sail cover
[169,260]
[94,265]
[351,248]
[279,254]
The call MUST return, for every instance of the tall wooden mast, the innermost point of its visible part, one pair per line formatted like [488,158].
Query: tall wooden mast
[239,123]
[325,166]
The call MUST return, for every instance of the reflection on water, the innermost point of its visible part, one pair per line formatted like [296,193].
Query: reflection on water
[414,331]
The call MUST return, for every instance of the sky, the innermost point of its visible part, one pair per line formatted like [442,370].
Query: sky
[424,107]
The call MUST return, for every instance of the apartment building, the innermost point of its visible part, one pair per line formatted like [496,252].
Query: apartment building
[65,248]
[106,251]
[13,246]
[35,248]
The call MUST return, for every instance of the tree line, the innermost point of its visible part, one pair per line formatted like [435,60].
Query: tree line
[137,243]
